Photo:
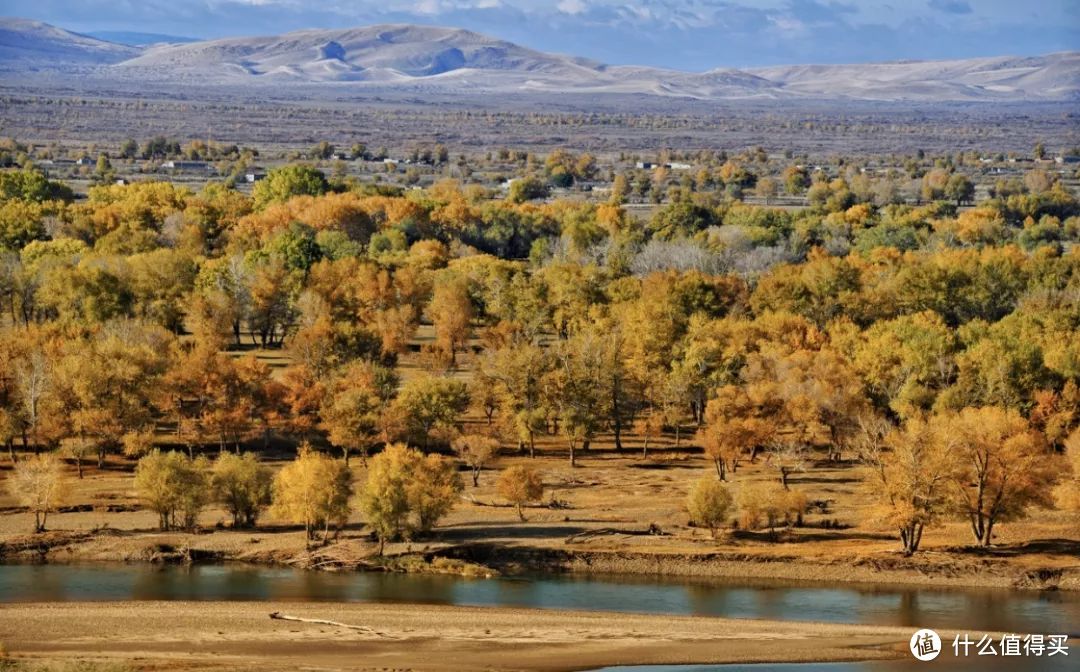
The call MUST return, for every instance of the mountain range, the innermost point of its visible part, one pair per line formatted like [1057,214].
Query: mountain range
[449,60]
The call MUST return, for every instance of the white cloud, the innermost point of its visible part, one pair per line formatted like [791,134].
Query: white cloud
[428,7]
[572,6]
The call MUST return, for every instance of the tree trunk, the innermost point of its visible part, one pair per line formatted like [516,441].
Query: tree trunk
[616,416]
[910,536]
[721,469]
[978,527]
[645,448]
[476,477]
[987,537]
[573,456]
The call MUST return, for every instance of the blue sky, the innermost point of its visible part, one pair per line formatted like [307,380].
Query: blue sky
[684,34]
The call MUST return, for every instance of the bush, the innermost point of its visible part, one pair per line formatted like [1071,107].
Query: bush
[520,485]
[709,503]
[768,505]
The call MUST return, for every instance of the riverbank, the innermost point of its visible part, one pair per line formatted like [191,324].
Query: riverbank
[242,636]
[355,552]
[613,514]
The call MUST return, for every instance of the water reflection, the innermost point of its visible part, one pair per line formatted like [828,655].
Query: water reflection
[973,610]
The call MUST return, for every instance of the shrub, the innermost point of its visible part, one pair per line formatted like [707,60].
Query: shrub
[709,503]
[768,505]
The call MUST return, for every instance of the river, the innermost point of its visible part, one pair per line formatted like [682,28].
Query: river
[972,610]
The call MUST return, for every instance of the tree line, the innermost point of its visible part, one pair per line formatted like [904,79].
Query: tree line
[937,347]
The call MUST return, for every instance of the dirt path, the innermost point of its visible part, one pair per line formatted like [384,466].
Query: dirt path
[242,636]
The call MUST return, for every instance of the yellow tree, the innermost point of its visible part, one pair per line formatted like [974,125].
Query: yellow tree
[709,504]
[354,400]
[432,491]
[1002,466]
[313,490]
[37,483]
[1068,491]
[520,485]
[736,425]
[475,450]
[451,311]
[910,482]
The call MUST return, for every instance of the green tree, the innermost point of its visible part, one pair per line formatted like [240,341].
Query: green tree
[526,189]
[281,184]
[403,483]
[174,486]
[429,407]
[959,188]
[242,486]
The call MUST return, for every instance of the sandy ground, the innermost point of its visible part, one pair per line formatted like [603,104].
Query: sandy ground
[241,636]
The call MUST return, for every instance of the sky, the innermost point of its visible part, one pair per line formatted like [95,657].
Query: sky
[684,34]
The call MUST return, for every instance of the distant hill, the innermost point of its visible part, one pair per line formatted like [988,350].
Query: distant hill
[449,60]
[35,44]
[1055,76]
[135,39]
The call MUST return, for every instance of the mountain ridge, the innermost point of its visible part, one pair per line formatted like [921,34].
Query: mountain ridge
[452,60]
